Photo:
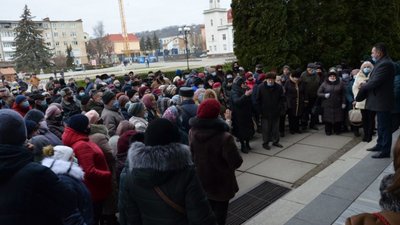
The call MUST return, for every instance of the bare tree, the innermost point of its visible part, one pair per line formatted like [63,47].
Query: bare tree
[100,45]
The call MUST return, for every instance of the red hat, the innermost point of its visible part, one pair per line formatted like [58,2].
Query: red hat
[157,92]
[216,85]
[209,109]
[248,74]
[262,77]
[123,141]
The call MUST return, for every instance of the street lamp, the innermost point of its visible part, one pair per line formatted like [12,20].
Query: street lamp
[185,30]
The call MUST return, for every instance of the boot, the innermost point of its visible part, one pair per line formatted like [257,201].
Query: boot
[248,145]
[243,147]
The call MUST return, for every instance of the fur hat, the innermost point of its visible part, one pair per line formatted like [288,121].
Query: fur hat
[107,97]
[78,123]
[34,115]
[93,116]
[63,152]
[161,132]
[209,109]
[12,128]
[19,99]
[332,71]
[186,92]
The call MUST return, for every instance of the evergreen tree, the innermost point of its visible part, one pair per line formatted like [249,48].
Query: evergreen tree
[142,44]
[149,44]
[70,57]
[31,52]
[156,42]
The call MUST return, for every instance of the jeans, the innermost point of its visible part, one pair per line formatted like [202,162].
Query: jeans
[384,142]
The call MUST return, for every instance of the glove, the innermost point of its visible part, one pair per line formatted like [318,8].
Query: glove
[343,106]
[327,95]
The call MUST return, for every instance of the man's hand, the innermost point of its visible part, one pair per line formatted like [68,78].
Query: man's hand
[248,92]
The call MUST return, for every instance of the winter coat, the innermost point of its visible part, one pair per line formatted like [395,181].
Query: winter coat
[389,203]
[72,176]
[348,85]
[216,157]
[20,110]
[55,127]
[242,121]
[311,82]
[379,88]
[188,110]
[99,136]
[31,193]
[139,123]
[97,106]
[170,168]
[271,100]
[111,119]
[89,87]
[70,109]
[360,77]
[295,94]
[396,108]
[93,163]
[333,112]
[53,139]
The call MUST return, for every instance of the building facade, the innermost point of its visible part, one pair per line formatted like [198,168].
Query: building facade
[57,35]
[118,53]
[218,29]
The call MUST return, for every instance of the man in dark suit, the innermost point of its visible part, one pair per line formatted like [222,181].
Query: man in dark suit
[380,98]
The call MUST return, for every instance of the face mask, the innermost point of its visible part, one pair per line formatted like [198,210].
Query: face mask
[201,86]
[345,76]
[81,94]
[366,70]
[117,85]
[43,103]
[58,118]
[374,59]
[332,79]
[270,84]
[115,105]
[25,104]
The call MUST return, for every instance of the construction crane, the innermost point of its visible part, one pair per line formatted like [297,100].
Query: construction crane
[124,32]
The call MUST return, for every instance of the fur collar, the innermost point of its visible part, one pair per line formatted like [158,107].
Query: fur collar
[389,201]
[170,157]
[61,167]
[98,128]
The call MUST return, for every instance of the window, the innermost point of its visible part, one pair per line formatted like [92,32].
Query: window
[72,25]
[215,48]
[58,52]
[61,25]
[75,42]
[225,48]
[54,25]
[64,34]
[57,43]
[48,44]
[212,38]
[73,34]
[212,23]
[210,48]
[224,37]
[55,34]
[221,21]
[65,43]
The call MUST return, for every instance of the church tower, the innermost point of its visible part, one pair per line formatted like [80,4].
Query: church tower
[214,4]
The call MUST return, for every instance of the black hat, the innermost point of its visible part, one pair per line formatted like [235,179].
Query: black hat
[186,92]
[270,75]
[78,123]
[35,115]
[108,96]
[297,73]
[161,132]
[12,128]
[311,65]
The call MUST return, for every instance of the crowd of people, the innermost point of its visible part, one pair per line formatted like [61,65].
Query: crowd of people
[162,151]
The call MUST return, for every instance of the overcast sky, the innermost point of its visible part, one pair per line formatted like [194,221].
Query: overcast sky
[140,15]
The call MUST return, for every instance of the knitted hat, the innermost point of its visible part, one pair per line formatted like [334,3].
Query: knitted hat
[93,116]
[209,109]
[78,123]
[186,92]
[157,92]
[171,114]
[123,99]
[107,97]
[39,142]
[12,128]
[135,108]
[34,115]
[161,132]
[124,141]
[51,111]
[142,90]
[19,99]
[31,126]
[216,85]
[63,152]
[176,100]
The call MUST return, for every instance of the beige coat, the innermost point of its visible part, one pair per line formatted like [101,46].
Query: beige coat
[358,79]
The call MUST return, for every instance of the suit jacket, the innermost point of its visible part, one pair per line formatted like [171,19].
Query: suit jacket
[379,88]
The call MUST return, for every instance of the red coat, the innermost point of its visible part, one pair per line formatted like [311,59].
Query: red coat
[20,110]
[91,159]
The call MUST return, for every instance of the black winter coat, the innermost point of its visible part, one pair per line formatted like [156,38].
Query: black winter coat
[216,157]
[188,110]
[31,193]
[380,86]
[271,100]
[170,168]
[295,97]
[242,121]
[333,112]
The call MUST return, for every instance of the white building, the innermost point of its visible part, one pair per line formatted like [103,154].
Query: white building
[218,29]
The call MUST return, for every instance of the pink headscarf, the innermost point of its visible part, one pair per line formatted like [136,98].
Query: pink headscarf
[147,101]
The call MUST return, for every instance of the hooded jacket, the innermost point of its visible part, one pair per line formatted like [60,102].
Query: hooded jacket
[169,167]
[72,176]
[216,157]
[29,192]
[93,163]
